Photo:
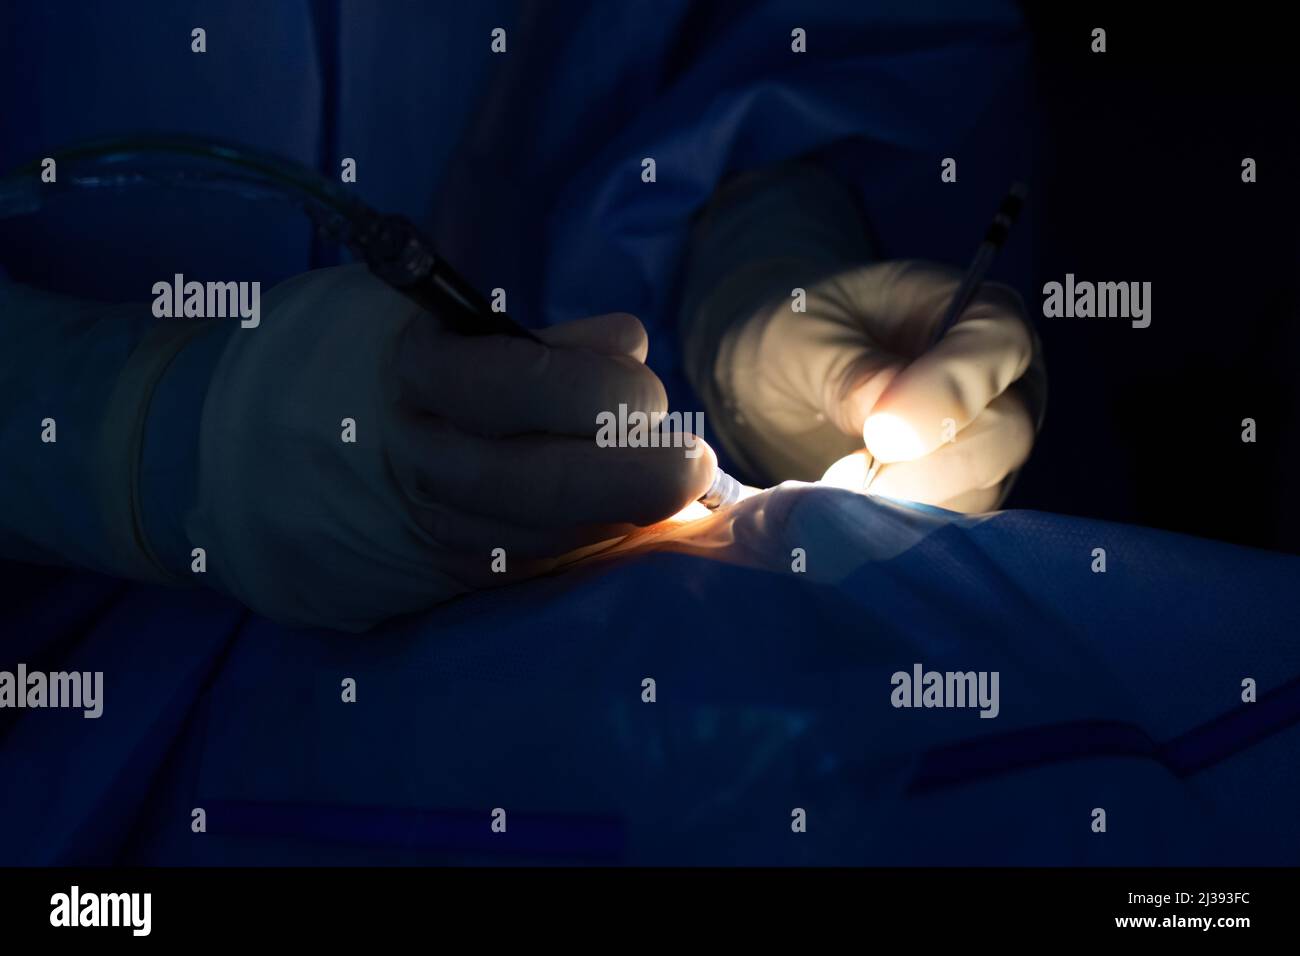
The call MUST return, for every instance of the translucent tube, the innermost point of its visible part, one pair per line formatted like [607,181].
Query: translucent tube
[182,162]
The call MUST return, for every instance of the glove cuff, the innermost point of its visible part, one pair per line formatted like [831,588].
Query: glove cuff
[143,435]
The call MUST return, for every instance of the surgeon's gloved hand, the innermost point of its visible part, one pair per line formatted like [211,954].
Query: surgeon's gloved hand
[795,344]
[462,446]
[943,419]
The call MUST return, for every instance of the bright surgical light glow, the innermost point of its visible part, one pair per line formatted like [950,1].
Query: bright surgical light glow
[890,438]
[850,472]
[695,511]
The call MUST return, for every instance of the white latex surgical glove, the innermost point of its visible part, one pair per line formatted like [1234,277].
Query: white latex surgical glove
[462,446]
[796,345]
[943,419]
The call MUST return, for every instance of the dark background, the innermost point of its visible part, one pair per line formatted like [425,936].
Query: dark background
[1138,178]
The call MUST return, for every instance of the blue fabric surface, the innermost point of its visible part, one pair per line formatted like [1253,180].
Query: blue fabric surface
[773,692]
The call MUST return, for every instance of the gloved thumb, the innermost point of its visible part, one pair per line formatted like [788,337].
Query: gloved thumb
[944,389]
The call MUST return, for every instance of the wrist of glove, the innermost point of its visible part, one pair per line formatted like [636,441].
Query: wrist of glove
[294,483]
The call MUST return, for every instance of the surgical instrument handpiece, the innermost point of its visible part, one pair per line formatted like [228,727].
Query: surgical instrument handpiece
[998,229]
[398,253]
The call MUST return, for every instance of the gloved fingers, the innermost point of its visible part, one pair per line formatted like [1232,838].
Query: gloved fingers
[617,333]
[929,389]
[548,481]
[498,385]
[464,533]
[966,474]
[864,381]
[945,389]
[899,304]
[995,444]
